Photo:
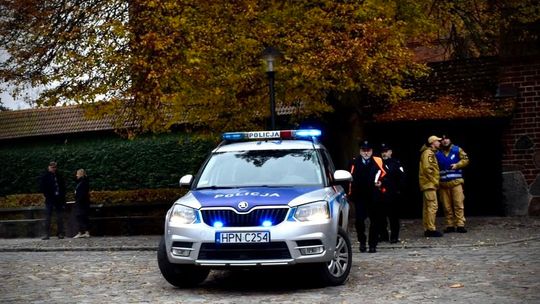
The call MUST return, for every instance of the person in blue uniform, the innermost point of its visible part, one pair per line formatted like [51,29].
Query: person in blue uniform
[452,159]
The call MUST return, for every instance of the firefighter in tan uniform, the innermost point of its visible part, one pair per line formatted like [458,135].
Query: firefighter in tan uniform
[428,177]
[452,159]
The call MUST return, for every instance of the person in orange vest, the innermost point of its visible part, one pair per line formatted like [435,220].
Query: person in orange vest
[366,194]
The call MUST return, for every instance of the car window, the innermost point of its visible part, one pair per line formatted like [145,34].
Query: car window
[328,164]
[262,168]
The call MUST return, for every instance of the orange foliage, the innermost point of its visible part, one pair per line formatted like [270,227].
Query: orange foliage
[445,108]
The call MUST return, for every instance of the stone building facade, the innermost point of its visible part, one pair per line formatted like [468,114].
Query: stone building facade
[493,105]
[520,79]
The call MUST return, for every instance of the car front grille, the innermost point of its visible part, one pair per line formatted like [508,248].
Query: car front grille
[230,218]
[252,251]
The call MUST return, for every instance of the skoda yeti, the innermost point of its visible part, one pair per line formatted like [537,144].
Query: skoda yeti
[261,199]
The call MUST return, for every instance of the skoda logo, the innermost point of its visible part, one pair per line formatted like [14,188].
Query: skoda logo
[243,205]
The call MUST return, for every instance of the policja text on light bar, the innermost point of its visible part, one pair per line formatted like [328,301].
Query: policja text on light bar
[283,134]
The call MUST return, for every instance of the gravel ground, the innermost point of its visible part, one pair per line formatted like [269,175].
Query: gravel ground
[498,261]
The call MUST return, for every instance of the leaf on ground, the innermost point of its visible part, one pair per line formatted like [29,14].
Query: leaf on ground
[457,285]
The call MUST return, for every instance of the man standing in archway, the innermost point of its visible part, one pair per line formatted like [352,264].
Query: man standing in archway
[366,193]
[452,159]
[429,183]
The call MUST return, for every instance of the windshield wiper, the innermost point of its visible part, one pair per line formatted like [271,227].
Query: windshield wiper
[214,187]
[273,186]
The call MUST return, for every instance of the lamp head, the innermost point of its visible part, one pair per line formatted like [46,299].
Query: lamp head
[270,55]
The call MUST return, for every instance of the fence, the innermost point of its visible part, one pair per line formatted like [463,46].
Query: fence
[136,219]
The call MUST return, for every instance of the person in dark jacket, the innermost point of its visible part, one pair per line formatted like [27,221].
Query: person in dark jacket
[391,185]
[53,187]
[82,204]
[367,172]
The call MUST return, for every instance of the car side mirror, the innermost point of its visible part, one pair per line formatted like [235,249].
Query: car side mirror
[342,176]
[185,181]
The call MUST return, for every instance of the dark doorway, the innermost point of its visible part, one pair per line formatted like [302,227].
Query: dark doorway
[480,138]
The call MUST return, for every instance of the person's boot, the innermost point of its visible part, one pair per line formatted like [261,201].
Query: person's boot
[363,248]
[461,230]
[78,235]
[45,237]
[86,234]
[383,237]
[432,233]
[60,236]
[372,249]
[449,230]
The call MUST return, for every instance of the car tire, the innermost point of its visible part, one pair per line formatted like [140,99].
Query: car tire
[336,271]
[179,275]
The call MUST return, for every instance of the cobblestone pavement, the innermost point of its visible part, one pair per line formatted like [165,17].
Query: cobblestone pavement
[497,263]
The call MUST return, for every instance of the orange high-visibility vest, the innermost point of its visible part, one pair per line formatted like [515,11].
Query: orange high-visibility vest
[379,163]
[350,183]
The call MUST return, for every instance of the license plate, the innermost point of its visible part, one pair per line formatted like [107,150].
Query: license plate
[242,237]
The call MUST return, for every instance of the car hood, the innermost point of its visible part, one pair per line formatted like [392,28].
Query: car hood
[255,196]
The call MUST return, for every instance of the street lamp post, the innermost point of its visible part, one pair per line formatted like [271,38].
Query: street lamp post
[270,55]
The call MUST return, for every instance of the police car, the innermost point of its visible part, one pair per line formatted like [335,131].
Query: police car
[263,198]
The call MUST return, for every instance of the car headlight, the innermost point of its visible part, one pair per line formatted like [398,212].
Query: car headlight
[183,215]
[312,212]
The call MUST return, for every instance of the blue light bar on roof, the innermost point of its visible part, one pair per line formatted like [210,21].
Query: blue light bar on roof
[283,134]
[307,133]
[233,136]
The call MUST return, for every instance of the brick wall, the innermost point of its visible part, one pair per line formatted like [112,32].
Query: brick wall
[521,139]
[467,79]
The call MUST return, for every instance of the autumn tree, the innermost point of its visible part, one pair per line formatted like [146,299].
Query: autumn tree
[473,28]
[157,63]
[162,62]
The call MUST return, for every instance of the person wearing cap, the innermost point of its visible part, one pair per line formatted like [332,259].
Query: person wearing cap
[452,159]
[428,177]
[367,172]
[53,187]
[391,185]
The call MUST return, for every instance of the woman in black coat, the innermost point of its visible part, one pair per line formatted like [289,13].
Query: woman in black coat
[82,204]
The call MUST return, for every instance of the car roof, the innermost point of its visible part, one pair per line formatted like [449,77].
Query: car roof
[268,145]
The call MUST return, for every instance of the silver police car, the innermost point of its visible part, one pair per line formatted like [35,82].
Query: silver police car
[261,198]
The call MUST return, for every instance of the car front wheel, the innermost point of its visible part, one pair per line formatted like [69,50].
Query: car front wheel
[179,275]
[336,271]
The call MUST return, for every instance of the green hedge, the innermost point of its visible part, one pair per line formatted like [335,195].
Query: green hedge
[112,163]
[123,197]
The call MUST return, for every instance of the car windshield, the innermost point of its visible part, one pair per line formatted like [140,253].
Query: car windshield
[270,168]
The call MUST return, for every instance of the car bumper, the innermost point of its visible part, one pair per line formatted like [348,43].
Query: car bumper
[291,243]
